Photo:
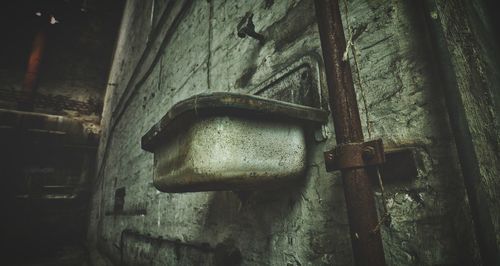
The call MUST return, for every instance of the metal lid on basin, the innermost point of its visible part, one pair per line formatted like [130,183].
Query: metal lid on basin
[225,103]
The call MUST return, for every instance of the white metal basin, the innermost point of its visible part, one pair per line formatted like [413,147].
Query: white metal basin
[230,142]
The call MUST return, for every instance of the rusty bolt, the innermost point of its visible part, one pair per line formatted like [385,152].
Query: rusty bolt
[368,153]
[247,28]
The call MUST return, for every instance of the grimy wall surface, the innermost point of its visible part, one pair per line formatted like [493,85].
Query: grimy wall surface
[170,50]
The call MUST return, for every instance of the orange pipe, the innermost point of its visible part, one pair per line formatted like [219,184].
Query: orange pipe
[32,72]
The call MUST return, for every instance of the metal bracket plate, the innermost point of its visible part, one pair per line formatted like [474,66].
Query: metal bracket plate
[396,164]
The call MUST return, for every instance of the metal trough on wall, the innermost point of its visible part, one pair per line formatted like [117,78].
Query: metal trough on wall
[229,141]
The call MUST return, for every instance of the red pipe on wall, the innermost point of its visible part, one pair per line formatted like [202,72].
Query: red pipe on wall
[32,72]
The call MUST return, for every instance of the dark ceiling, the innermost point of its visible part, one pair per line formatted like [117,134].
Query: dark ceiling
[78,50]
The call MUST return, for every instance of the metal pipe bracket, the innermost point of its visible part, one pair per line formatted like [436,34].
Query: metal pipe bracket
[355,155]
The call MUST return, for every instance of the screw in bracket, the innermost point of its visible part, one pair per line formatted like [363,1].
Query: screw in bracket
[368,153]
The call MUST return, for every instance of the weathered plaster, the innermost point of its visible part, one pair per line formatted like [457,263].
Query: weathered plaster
[303,224]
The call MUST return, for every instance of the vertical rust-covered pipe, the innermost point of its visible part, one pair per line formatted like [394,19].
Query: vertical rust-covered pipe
[31,76]
[366,242]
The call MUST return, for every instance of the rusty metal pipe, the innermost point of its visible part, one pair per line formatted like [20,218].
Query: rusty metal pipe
[366,242]
[32,72]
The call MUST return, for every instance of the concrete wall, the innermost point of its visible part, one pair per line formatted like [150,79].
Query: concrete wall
[474,61]
[170,50]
